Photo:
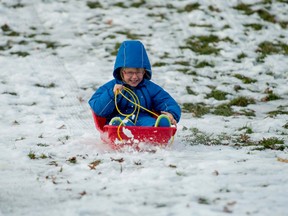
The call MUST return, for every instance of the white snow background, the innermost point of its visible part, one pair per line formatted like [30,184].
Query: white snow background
[55,53]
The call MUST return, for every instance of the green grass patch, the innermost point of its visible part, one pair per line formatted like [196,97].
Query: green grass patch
[242,101]
[10,93]
[121,5]
[138,4]
[129,35]
[50,85]
[8,31]
[189,7]
[199,25]
[255,26]
[270,97]
[217,94]
[115,50]
[223,110]
[272,143]
[246,8]
[196,137]
[94,4]
[248,130]
[204,45]
[203,64]
[247,112]
[184,63]
[42,145]
[190,91]
[265,15]
[49,44]
[32,155]
[277,112]
[197,110]
[7,46]
[268,48]
[240,57]
[20,53]
[244,79]
[159,64]
[214,9]
[187,71]
[160,15]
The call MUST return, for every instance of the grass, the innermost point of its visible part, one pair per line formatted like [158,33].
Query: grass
[187,71]
[265,15]
[159,64]
[255,26]
[10,93]
[242,101]
[204,45]
[94,4]
[277,112]
[49,44]
[240,57]
[248,130]
[270,97]
[190,91]
[268,48]
[203,64]
[189,7]
[272,143]
[8,31]
[217,94]
[247,112]
[183,63]
[223,110]
[130,35]
[245,79]
[116,47]
[197,137]
[245,8]
[197,110]
[50,85]
[20,53]
[32,155]
[138,4]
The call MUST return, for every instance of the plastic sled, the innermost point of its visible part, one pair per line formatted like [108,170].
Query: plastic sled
[133,135]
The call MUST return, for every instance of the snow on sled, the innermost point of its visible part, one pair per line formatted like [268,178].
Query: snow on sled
[117,137]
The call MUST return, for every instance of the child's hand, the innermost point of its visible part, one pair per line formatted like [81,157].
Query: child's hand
[117,88]
[172,120]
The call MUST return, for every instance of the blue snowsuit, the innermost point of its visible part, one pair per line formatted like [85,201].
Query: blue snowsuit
[132,54]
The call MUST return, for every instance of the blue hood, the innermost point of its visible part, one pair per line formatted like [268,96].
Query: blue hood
[132,54]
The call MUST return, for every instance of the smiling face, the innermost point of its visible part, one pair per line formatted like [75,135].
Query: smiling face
[132,76]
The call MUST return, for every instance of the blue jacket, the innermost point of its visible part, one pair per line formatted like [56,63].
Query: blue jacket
[132,54]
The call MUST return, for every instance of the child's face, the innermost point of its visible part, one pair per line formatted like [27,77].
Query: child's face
[133,76]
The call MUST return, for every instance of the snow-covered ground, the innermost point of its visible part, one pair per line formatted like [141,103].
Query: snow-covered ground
[55,53]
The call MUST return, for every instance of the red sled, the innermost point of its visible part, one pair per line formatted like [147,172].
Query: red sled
[133,135]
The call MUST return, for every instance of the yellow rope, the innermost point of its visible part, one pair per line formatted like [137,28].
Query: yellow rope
[136,102]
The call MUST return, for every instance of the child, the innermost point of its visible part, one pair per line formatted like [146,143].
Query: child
[132,70]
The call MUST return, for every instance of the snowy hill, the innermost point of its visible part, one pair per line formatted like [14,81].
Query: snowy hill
[225,62]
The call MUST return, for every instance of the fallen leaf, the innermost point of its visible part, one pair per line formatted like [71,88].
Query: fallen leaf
[93,164]
[282,160]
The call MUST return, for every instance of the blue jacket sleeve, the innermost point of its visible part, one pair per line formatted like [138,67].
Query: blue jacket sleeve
[163,101]
[102,101]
